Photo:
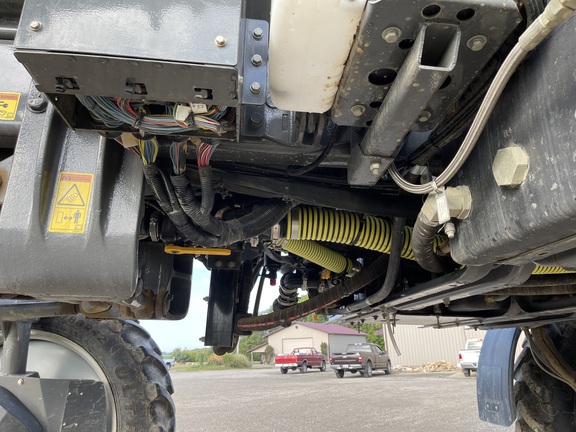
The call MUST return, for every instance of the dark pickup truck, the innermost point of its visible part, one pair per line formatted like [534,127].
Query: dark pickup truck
[361,357]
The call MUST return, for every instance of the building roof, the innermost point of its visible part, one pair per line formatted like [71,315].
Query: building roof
[332,329]
[258,348]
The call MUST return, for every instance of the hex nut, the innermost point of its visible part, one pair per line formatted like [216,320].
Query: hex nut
[35,25]
[257,33]
[375,168]
[358,110]
[391,34]
[220,41]
[510,166]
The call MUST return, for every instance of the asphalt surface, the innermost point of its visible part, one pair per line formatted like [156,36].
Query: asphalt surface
[265,400]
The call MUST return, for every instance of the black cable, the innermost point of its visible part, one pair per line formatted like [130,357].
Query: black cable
[328,140]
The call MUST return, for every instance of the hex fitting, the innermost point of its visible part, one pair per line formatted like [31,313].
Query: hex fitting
[459,203]
[510,166]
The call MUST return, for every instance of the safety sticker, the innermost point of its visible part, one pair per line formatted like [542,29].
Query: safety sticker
[8,105]
[71,203]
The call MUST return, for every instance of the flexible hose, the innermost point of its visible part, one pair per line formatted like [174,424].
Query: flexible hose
[207,187]
[320,255]
[335,226]
[423,244]
[319,302]
[288,291]
[392,269]
[556,12]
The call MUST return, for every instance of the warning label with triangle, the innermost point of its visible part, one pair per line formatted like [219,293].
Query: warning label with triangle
[72,197]
[71,203]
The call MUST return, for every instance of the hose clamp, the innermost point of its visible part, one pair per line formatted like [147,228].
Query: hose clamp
[275,233]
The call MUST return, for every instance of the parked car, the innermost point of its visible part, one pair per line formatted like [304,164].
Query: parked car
[361,357]
[469,356]
[302,359]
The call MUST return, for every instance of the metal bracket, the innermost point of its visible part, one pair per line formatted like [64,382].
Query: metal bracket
[494,382]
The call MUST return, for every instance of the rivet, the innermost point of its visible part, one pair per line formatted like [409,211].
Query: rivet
[220,41]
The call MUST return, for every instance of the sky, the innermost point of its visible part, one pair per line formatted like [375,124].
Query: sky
[187,332]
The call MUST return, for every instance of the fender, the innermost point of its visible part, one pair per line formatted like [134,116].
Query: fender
[494,382]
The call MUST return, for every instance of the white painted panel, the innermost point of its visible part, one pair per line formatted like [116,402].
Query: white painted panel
[288,345]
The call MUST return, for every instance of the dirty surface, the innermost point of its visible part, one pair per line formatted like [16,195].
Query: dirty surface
[263,399]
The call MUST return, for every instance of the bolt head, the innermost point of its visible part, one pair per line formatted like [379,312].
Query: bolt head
[510,166]
[220,41]
[256,59]
[424,116]
[358,110]
[391,34]
[35,25]
[255,87]
[257,33]
[375,168]
[21,381]
[476,43]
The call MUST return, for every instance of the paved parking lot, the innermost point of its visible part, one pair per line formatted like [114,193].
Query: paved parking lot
[265,400]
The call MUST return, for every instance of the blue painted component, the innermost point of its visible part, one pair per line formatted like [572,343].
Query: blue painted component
[495,372]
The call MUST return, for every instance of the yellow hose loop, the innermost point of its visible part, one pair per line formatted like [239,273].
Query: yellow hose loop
[320,255]
[544,270]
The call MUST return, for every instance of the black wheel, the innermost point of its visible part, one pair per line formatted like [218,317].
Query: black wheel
[323,366]
[121,355]
[466,372]
[293,368]
[283,371]
[368,369]
[304,367]
[339,373]
[353,371]
[544,403]
[388,369]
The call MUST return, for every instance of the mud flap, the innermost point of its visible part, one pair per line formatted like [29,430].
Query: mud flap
[495,389]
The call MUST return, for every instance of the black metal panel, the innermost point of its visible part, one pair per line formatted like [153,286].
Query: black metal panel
[221,308]
[359,95]
[495,371]
[538,218]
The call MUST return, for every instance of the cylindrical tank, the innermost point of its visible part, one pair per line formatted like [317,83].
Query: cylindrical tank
[309,44]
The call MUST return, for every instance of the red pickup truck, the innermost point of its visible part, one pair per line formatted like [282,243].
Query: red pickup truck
[301,359]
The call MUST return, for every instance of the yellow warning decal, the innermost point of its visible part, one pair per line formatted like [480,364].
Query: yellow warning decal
[71,203]
[8,105]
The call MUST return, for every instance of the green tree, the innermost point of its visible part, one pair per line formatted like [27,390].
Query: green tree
[268,354]
[370,329]
[324,348]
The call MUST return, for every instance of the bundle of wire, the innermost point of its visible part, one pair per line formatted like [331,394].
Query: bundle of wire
[178,156]
[118,112]
[205,152]
[148,150]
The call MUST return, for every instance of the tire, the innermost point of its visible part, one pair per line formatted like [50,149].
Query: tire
[283,371]
[544,403]
[466,372]
[339,373]
[122,355]
[388,369]
[304,367]
[368,369]
[323,366]
[353,371]
[293,368]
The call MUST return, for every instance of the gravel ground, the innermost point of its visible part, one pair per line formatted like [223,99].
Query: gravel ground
[265,400]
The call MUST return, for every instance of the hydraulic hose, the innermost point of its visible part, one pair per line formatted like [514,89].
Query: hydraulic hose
[391,271]
[555,13]
[335,226]
[288,291]
[318,254]
[423,244]
[319,302]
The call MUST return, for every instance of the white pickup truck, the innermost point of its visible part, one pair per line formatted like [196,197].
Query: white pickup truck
[469,356]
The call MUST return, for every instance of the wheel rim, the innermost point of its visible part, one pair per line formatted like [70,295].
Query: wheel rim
[73,362]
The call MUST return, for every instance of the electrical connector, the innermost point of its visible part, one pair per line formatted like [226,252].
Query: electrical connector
[182,113]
